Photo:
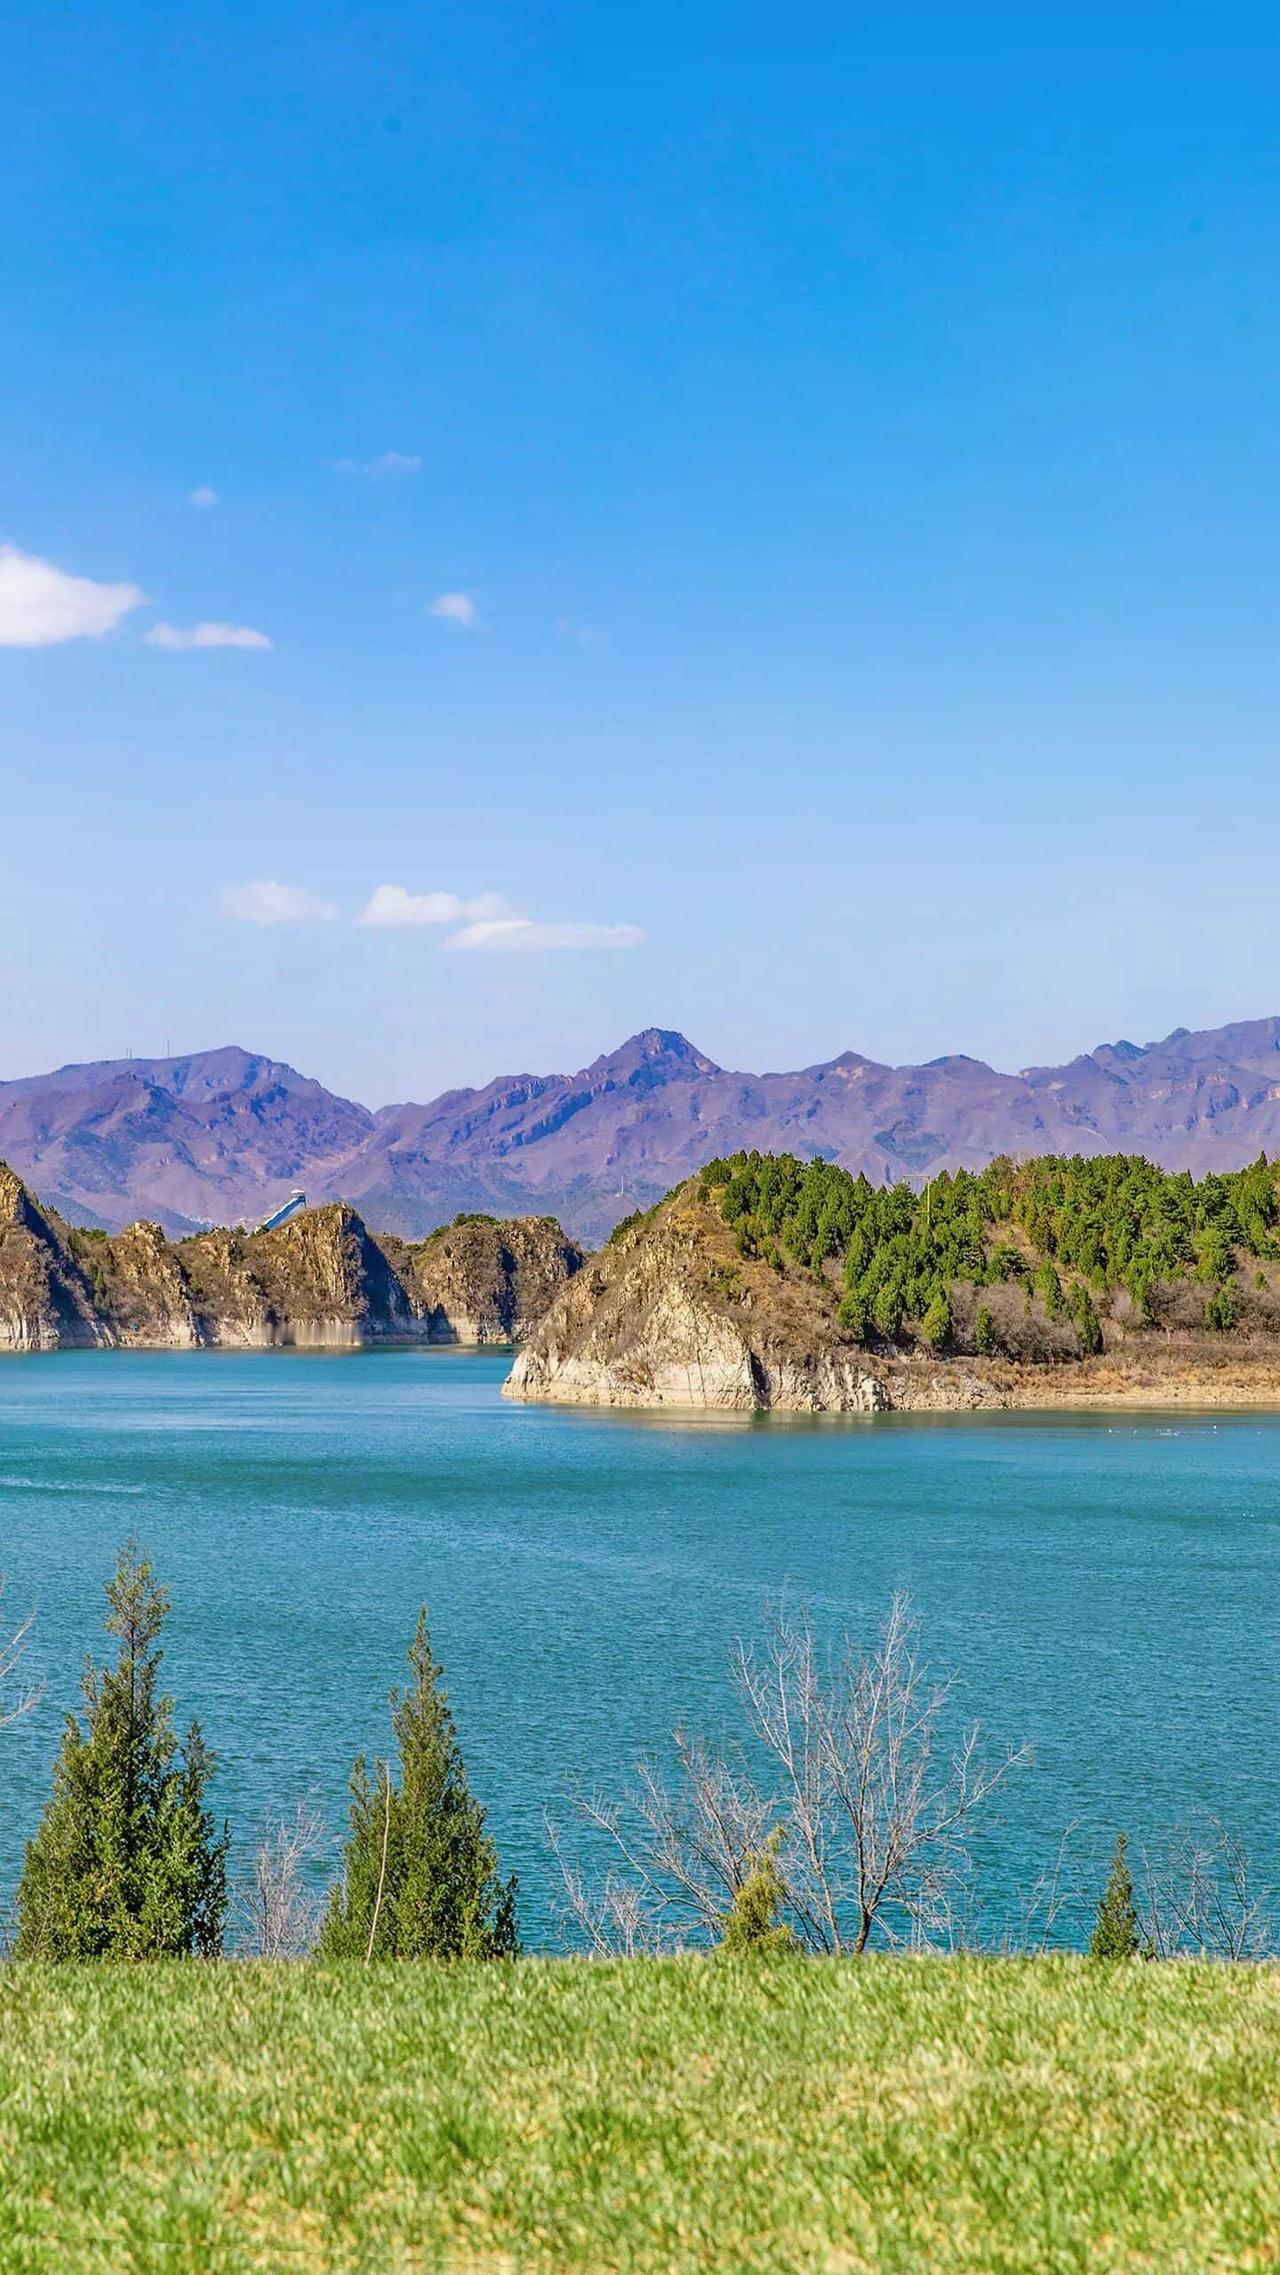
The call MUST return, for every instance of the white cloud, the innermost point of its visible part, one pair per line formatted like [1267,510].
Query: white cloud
[586,635]
[41,605]
[455,608]
[388,462]
[264,902]
[394,905]
[205,636]
[202,498]
[521,934]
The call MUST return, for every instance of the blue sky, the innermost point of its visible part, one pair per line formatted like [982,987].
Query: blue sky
[845,451]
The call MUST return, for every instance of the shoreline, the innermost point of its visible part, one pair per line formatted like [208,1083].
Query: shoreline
[1108,1384]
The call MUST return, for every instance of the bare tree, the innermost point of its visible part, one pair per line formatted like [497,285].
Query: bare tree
[1201,1899]
[685,1850]
[278,1910]
[19,1700]
[874,1813]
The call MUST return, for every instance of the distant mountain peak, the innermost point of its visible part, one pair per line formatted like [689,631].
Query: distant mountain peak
[658,1046]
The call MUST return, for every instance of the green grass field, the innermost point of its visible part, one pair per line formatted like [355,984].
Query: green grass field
[922,2116]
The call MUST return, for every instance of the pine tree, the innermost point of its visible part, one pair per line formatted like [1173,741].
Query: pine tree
[420,1874]
[1087,1324]
[1116,1933]
[984,1333]
[936,1324]
[753,1923]
[126,1862]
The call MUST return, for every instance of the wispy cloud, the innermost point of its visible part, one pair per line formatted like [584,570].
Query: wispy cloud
[202,498]
[455,608]
[486,922]
[521,935]
[586,635]
[205,636]
[41,605]
[388,462]
[263,901]
[394,905]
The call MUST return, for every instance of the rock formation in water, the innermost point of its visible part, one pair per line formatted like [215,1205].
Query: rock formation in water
[484,1279]
[320,1281]
[666,1315]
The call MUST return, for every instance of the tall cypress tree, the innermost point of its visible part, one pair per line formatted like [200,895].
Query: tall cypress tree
[1116,1933]
[126,1862]
[420,1874]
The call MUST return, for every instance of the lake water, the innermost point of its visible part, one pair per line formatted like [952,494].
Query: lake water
[1107,1586]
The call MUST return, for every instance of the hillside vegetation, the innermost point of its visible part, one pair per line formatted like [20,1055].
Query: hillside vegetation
[1039,2117]
[1027,1259]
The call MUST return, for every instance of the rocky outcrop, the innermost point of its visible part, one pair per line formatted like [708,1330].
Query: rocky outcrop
[47,1299]
[488,1280]
[668,1315]
[319,1282]
[322,1281]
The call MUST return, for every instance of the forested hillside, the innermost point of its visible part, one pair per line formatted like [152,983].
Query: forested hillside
[1028,1259]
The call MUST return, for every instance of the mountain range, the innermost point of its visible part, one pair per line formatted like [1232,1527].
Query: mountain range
[220,1137]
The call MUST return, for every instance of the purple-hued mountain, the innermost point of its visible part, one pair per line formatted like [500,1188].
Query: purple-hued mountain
[221,1136]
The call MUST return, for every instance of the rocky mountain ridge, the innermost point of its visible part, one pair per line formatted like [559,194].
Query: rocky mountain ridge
[320,1281]
[219,1137]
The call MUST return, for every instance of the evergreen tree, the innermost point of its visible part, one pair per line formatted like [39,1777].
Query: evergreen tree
[1116,1934]
[126,1862]
[936,1324]
[1087,1323]
[753,1923]
[420,1873]
[984,1332]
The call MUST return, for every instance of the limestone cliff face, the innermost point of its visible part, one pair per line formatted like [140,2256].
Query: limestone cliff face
[667,1315]
[321,1281]
[46,1298]
[485,1280]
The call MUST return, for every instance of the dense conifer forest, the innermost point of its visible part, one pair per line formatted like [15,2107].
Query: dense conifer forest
[1030,1259]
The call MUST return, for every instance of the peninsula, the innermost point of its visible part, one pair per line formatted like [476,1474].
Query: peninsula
[769,1282]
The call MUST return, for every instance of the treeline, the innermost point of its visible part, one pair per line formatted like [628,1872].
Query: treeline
[1027,1258]
[840,1814]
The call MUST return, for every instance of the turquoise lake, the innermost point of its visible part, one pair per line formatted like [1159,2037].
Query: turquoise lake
[1107,1586]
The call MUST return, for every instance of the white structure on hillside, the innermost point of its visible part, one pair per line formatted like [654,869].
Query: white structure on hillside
[297,1200]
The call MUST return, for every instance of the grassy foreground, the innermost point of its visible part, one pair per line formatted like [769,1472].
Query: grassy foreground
[914,2116]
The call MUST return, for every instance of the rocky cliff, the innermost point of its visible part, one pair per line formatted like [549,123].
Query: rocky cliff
[46,1298]
[320,1281]
[486,1279]
[667,1315]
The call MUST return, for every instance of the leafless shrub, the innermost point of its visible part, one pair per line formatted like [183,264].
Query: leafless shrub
[874,1814]
[610,1916]
[278,1908]
[1067,1885]
[685,1850]
[16,1696]
[1200,1899]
